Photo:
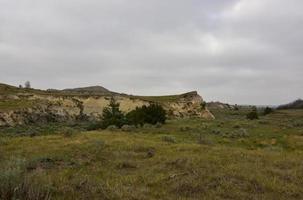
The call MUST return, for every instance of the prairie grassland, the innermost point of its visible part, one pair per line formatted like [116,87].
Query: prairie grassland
[228,158]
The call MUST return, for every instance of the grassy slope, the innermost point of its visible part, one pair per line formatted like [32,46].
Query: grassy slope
[266,164]
[160,99]
[8,104]
[8,89]
[166,98]
[15,104]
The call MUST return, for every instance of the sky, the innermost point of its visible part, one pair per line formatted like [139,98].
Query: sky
[234,51]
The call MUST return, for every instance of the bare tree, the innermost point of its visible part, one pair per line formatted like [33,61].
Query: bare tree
[27,84]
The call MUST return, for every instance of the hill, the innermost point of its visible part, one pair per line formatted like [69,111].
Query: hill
[298,104]
[88,90]
[22,106]
[169,98]
[65,157]
[92,90]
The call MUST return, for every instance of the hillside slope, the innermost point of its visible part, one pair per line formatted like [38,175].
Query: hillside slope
[298,104]
[22,106]
[89,90]
[188,159]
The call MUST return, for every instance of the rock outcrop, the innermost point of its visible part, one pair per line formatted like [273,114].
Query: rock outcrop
[47,107]
[188,105]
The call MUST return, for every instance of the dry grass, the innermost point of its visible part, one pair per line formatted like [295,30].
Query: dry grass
[266,164]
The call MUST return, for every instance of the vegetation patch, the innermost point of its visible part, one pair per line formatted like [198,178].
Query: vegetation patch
[16,184]
[227,158]
[8,105]
[112,116]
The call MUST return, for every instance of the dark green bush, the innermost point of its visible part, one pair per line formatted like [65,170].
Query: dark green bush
[267,111]
[236,107]
[151,114]
[93,126]
[112,115]
[253,114]
[203,105]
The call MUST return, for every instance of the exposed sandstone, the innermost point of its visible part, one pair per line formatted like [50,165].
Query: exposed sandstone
[48,108]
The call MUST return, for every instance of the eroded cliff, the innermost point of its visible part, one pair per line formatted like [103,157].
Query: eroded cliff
[17,108]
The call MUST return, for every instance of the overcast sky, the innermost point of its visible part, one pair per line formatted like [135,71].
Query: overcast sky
[235,51]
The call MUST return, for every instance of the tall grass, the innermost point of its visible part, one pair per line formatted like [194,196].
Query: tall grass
[14,184]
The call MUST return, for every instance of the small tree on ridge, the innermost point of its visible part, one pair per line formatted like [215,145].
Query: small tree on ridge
[27,85]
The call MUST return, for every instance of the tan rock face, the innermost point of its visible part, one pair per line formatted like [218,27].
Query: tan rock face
[94,106]
[188,106]
[57,108]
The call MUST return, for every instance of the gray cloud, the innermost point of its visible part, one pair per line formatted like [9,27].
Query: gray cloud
[238,51]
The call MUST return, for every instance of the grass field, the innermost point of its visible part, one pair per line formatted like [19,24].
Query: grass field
[228,158]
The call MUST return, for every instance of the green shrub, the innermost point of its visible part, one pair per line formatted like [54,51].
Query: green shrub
[253,114]
[15,185]
[203,105]
[11,177]
[236,107]
[151,114]
[112,115]
[93,126]
[267,111]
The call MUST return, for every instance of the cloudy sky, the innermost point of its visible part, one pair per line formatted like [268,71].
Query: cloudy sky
[236,51]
